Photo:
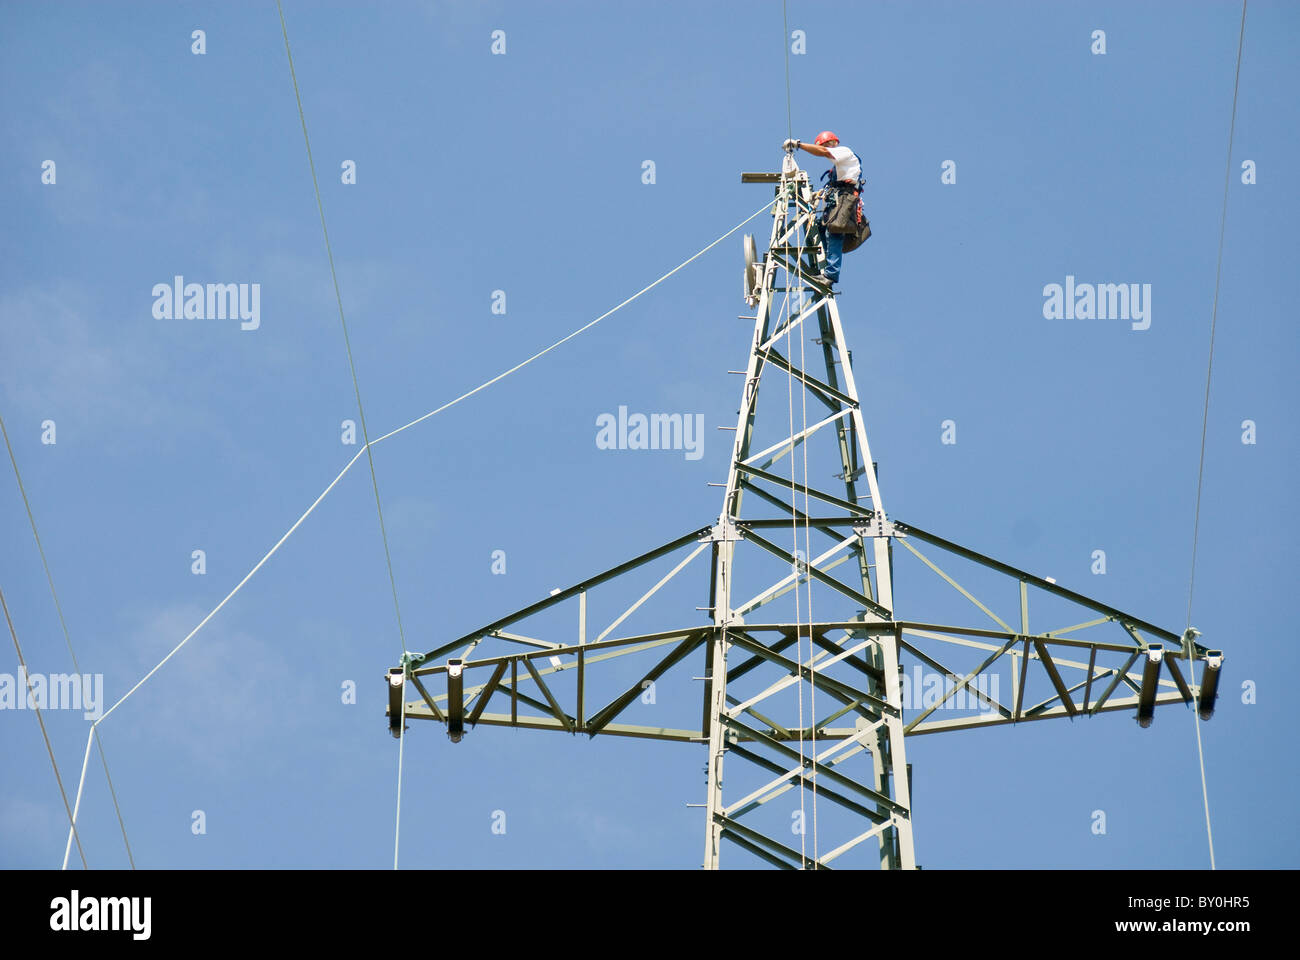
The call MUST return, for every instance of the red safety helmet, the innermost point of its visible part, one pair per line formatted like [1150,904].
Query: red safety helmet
[825,137]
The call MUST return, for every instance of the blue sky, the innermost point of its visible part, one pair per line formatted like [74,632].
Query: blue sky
[523,172]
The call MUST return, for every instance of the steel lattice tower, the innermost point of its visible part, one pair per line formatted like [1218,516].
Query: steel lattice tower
[803,635]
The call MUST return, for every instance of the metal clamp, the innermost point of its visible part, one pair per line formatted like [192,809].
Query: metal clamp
[410,660]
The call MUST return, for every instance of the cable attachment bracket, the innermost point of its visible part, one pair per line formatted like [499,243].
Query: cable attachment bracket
[410,661]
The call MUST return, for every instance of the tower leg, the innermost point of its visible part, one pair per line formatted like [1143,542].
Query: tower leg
[717,747]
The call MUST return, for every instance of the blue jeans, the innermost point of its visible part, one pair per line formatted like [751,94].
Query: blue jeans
[834,251]
[833,243]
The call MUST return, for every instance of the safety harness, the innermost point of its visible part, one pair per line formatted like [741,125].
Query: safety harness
[845,215]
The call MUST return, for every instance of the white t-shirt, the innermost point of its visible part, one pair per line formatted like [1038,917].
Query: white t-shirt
[846,164]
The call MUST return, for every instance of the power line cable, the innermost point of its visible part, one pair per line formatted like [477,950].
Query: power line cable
[44,733]
[347,341]
[67,636]
[1205,416]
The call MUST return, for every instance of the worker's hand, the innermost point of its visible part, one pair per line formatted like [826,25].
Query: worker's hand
[790,145]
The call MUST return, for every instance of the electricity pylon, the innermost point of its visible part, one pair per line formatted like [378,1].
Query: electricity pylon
[829,718]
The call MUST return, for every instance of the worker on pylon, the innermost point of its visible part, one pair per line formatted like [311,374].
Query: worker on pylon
[842,210]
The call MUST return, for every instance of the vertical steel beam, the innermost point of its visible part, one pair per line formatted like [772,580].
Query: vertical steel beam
[717,686]
[582,660]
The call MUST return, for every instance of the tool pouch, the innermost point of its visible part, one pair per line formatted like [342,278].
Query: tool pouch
[862,231]
[846,215]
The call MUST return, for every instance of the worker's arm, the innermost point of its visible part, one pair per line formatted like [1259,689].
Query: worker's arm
[812,148]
